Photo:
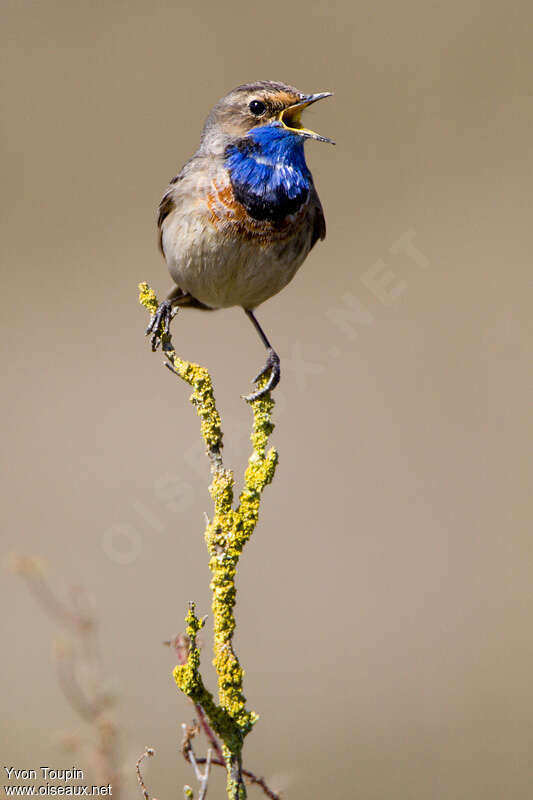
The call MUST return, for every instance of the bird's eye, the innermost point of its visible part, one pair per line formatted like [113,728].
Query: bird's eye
[257,107]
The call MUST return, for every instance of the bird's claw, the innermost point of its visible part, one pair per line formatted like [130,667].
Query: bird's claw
[272,365]
[160,323]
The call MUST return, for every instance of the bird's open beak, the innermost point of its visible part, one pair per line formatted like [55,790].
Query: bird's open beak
[290,117]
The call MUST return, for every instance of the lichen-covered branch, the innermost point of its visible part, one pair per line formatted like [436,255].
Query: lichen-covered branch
[225,535]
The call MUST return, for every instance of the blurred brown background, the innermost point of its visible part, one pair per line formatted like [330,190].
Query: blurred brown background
[385,600]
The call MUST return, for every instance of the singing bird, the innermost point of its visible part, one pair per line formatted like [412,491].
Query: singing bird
[243,214]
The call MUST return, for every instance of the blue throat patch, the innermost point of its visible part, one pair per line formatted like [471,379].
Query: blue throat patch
[268,172]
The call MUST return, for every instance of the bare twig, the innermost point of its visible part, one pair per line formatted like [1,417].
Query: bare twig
[250,777]
[148,753]
[189,732]
[202,778]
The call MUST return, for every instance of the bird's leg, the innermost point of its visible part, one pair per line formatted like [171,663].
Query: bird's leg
[272,363]
[160,322]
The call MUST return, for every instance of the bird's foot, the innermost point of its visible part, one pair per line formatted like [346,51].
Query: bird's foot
[272,365]
[160,323]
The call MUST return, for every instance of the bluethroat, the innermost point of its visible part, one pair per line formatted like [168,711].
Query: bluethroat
[243,214]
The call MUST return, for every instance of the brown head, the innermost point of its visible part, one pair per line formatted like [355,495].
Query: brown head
[254,104]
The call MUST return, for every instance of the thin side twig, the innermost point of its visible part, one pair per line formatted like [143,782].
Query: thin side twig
[202,778]
[250,777]
[148,753]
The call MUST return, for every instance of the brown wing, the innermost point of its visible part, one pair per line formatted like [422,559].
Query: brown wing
[319,222]
[166,205]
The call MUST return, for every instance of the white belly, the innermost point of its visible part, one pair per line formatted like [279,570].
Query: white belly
[221,270]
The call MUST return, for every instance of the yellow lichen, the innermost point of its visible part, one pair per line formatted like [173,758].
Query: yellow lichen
[147,297]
